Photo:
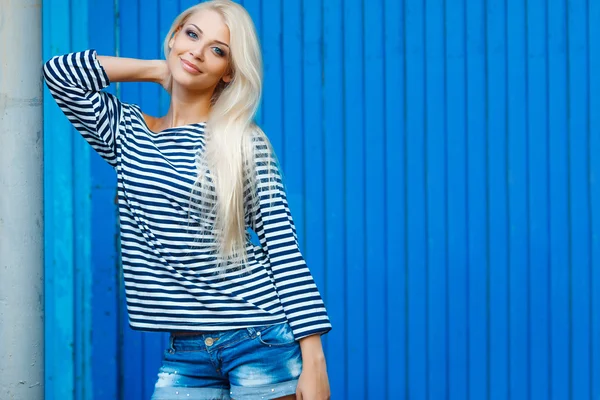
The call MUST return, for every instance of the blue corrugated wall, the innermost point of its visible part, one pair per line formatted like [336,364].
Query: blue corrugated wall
[442,159]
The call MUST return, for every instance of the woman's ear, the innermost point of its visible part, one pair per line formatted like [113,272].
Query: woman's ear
[228,75]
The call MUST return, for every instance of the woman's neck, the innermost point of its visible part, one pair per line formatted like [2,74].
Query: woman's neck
[186,108]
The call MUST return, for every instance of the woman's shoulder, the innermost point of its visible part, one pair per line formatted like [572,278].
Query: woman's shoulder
[151,122]
[257,136]
[147,121]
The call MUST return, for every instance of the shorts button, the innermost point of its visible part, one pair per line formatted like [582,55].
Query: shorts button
[209,341]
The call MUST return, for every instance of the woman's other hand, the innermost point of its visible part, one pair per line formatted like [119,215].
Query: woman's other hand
[313,383]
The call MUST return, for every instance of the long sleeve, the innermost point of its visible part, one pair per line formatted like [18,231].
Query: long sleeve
[76,81]
[272,221]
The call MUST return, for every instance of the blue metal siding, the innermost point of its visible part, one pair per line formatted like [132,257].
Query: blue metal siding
[442,166]
[457,232]
[594,191]
[62,286]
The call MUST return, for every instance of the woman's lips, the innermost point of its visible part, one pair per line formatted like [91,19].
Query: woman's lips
[189,67]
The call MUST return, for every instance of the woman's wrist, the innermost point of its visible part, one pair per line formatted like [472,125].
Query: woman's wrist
[158,71]
[312,348]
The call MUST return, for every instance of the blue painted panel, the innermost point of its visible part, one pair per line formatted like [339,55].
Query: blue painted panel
[579,214]
[82,256]
[441,161]
[538,192]
[497,206]
[518,217]
[456,203]
[560,248]
[185,4]
[436,197]
[59,292]
[477,200]
[416,207]
[594,181]
[273,77]
[397,380]
[335,227]
[377,359]
[355,197]
[314,239]
[292,148]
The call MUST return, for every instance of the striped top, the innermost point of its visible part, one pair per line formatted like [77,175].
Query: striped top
[171,279]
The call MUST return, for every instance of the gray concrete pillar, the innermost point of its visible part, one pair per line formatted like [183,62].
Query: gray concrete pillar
[21,202]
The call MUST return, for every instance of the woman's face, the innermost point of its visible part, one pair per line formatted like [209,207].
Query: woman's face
[200,54]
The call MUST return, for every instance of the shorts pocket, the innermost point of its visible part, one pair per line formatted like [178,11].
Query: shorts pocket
[276,335]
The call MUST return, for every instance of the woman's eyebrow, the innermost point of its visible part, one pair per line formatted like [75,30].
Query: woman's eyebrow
[202,33]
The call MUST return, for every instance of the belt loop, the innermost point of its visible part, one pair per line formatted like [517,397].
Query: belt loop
[172,344]
[251,332]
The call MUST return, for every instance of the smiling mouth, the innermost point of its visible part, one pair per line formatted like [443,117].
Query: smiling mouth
[189,67]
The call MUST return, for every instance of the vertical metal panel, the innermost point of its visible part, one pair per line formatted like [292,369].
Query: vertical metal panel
[333,136]
[58,226]
[314,235]
[560,248]
[478,284]
[579,206]
[83,343]
[435,178]
[355,197]
[185,4]
[292,146]
[395,207]
[594,180]
[374,198]
[456,203]
[273,91]
[416,207]
[496,207]
[539,208]
[518,213]
[441,165]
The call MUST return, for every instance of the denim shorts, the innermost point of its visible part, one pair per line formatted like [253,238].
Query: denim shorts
[252,363]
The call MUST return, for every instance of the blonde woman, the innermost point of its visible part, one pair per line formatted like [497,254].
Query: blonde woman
[245,319]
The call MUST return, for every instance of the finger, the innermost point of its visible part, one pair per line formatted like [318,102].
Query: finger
[298,395]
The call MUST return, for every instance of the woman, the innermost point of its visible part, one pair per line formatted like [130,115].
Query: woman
[245,319]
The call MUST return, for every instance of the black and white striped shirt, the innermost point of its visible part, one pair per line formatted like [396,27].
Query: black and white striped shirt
[170,276]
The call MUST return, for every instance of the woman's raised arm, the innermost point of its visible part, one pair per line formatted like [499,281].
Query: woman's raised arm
[121,69]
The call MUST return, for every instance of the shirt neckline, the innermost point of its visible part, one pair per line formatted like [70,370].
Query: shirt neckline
[173,128]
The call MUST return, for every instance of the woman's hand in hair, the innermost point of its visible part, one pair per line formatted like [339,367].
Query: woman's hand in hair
[313,383]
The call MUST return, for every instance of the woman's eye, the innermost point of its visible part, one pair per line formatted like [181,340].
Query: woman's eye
[218,51]
[192,34]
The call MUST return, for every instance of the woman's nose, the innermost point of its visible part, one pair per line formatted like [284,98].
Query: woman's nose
[198,53]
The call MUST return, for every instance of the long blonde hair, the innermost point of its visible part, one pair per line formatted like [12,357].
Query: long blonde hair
[231,135]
